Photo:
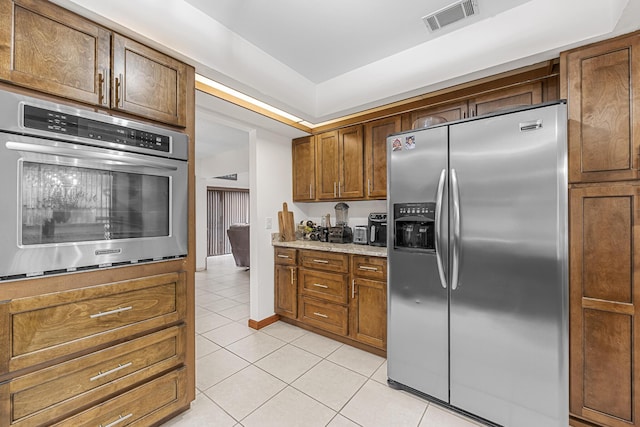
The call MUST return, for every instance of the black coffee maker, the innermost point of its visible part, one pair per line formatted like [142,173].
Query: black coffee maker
[378,229]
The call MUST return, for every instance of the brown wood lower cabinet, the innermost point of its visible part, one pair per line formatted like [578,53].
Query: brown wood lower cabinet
[336,293]
[82,349]
[605,364]
[142,406]
[285,283]
[325,315]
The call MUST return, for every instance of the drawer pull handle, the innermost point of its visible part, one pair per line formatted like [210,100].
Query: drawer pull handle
[321,261]
[364,267]
[283,256]
[106,313]
[320,285]
[110,371]
[118,421]
[320,315]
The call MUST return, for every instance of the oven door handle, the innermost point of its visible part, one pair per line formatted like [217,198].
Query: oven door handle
[107,156]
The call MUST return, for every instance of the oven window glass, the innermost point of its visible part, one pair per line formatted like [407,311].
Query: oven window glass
[70,204]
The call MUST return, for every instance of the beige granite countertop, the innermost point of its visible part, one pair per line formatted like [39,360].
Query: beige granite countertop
[349,248]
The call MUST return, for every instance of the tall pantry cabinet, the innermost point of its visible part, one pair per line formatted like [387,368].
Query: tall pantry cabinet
[106,346]
[602,85]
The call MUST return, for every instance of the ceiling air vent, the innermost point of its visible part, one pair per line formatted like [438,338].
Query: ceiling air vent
[450,14]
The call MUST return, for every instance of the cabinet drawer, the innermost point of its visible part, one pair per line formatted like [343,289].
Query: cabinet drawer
[325,315]
[285,256]
[329,286]
[55,325]
[374,268]
[330,261]
[141,406]
[88,379]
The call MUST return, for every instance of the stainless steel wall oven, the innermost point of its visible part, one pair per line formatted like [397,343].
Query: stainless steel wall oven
[86,190]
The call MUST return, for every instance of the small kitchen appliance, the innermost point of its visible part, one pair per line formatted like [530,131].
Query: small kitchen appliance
[360,235]
[378,229]
[341,233]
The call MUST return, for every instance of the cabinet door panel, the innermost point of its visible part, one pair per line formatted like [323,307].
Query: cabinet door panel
[304,168]
[350,184]
[286,291]
[369,312]
[327,165]
[608,349]
[607,222]
[148,83]
[605,136]
[604,122]
[604,274]
[47,48]
[375,155]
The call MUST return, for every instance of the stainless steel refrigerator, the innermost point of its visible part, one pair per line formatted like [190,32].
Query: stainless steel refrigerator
[477,256]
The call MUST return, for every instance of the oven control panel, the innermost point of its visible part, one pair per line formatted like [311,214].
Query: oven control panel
[69,124]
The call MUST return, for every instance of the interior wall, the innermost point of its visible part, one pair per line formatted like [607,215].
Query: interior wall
[271,182]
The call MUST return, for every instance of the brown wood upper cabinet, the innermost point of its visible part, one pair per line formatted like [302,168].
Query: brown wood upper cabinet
[47,48]
[603,95]
[449,112]
[485,103]
[339,164]
[303,154]
[375,155]
[148,83]
[503,99]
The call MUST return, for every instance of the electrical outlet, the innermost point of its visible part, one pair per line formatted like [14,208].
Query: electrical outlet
[268,223]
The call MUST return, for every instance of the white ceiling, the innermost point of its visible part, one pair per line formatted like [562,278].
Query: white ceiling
[322,40]
[323,59]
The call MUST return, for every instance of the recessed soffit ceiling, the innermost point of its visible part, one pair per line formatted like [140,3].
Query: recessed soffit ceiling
[322,40]
[321,60]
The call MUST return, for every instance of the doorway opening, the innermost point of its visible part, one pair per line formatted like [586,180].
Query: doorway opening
[225,206]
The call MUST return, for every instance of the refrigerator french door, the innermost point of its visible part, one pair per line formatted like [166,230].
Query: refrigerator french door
[478,308]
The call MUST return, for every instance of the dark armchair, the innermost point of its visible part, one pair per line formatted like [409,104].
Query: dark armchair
[239,239]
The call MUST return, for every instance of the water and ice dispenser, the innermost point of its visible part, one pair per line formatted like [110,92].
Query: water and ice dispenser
[414,225]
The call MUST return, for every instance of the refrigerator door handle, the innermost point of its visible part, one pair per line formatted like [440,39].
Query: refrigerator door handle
[455,267]
[438,227]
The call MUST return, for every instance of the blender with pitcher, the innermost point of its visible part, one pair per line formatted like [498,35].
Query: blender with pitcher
[341,233]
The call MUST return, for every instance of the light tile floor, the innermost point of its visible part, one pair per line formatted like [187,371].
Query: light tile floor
[285,376]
